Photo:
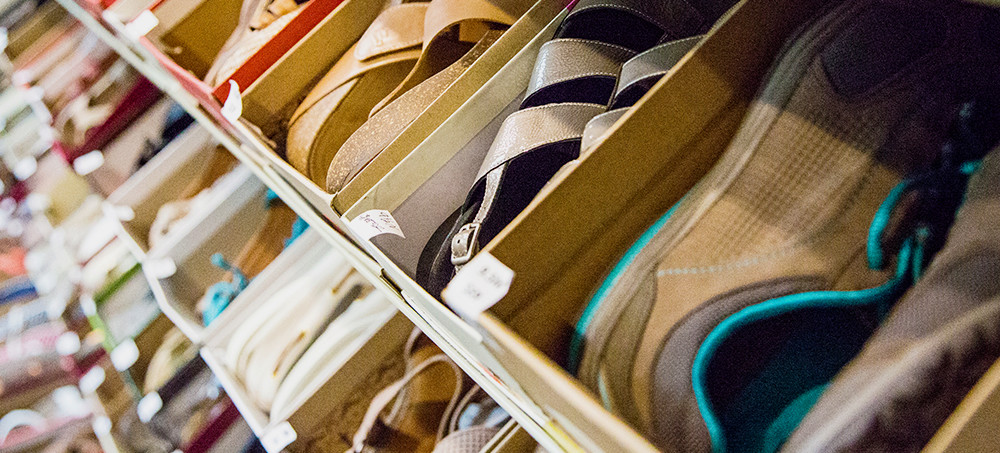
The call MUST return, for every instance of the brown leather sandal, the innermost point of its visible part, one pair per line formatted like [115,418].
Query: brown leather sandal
[363,76]
[456,34]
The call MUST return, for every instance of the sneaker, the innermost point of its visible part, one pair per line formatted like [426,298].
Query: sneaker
[859,100]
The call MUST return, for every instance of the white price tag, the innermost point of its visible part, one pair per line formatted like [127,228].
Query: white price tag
[479,285]
[375,222]
[278,438]
[124,213]
[70,402]
[161,268]
[144,23]
[232,109]
[88,305]
[25,168]
[87,163]
[125,355]
[102,426]
[92,380]
[148,406]
[68,343]
[21,77]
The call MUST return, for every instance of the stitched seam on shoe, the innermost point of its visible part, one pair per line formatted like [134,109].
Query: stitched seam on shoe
[586,41]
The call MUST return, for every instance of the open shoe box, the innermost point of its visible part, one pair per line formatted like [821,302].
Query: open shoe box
[270,101]
[179,269]
[163,179]
[190,34]
[316,405]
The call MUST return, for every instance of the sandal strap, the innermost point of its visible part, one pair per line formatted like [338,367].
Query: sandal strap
[641,72]
[444,14]
[389,394]
[598,126]
[529,129]
[441,18]
[638,75]
[382,44]
[569,60]
[524,131]
[386,124]
[398,27]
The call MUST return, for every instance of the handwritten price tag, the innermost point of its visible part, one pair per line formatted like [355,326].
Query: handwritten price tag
[376,222]
[478,286]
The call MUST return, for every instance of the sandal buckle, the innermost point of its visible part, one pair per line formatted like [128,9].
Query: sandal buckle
[465,244]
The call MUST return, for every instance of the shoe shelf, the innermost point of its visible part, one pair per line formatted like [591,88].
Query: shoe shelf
[453,335]
[507,346]
[316,407]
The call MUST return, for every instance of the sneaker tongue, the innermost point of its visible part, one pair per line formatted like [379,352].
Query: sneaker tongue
[882,42]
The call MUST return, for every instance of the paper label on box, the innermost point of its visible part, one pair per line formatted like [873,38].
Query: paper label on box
[144,23]
[125,355]
[232,109]
[161,268]
[148,406]
[376,222]
[279,437]
[479,285]
[92,380]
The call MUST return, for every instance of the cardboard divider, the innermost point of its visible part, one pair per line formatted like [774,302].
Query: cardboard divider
[148,341]
[192,32]
[269,101]
[513,41]
[163,179]
[236,211]
[972,427]
[511,439]
[575,230]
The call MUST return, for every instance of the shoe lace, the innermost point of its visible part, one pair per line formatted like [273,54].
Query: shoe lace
[936,195]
